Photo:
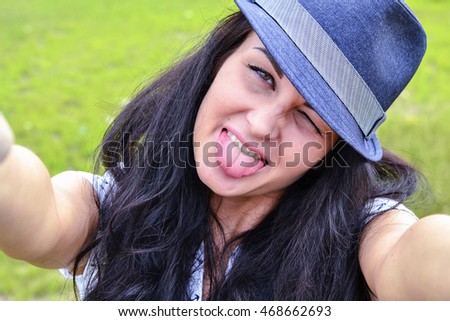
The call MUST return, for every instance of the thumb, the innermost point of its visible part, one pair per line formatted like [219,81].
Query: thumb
[6,137]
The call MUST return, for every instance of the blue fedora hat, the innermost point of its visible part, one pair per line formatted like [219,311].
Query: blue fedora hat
[350,59]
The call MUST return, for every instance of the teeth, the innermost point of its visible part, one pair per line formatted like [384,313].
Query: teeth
[241,146]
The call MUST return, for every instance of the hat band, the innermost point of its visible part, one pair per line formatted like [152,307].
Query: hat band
[329,61]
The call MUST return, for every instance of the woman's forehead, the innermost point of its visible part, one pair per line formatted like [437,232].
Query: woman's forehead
[251,41]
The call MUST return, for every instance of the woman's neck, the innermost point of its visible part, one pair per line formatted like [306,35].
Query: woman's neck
[237,215]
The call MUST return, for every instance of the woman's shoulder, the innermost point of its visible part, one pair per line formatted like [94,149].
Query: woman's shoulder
[102,184]
[386,224]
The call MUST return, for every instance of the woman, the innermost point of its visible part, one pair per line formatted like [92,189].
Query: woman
[248,171]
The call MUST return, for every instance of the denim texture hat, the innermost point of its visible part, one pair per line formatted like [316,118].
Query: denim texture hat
[350,59]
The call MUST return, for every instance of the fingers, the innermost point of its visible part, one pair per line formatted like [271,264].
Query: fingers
[6,138]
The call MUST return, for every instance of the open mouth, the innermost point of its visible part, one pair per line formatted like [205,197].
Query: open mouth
[246,148]
[242,147]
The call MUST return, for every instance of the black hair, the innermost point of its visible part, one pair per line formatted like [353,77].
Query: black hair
[158,214]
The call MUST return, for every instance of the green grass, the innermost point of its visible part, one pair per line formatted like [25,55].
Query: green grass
[66,66]
[417,126]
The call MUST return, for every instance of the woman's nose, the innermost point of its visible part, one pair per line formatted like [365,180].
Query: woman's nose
[265,122]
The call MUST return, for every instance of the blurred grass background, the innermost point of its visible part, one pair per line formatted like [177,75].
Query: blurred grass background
[67,66]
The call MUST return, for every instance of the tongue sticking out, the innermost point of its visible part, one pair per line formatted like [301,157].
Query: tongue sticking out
[233,161]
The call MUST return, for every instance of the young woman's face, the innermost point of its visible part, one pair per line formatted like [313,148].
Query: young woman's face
[254,133]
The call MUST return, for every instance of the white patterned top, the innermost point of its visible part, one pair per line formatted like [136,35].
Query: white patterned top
[103,184]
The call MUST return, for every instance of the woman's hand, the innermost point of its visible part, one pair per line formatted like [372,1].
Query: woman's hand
[6,138]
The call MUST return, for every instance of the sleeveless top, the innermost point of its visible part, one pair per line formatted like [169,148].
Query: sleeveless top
[103,184]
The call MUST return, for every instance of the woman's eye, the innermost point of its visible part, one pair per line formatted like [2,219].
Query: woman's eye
[310,121]
[265,75]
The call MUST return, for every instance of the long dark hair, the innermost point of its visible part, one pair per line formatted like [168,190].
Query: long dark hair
[157,215]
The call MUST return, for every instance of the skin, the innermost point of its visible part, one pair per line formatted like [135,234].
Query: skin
[6,138]
[46,221]
[252,99]
[403,258]
[43,221]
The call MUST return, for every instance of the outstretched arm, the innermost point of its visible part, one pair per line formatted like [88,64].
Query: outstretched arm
[43,221]
[404,259]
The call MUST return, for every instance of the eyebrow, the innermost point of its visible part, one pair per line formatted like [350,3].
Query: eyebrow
[272,61]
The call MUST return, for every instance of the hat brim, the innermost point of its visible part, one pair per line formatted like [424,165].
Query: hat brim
[308,81]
